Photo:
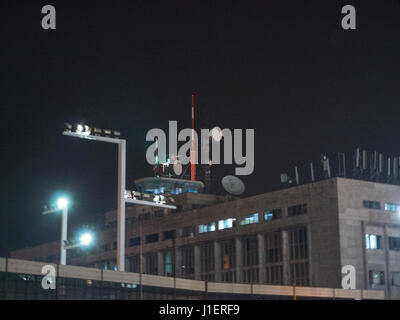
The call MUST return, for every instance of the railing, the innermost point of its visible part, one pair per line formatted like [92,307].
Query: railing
[21,279]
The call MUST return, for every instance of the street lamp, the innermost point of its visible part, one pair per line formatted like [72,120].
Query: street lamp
[112,136]
[62,204]
[84,240]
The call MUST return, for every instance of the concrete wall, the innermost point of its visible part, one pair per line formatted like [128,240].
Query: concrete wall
[356,221]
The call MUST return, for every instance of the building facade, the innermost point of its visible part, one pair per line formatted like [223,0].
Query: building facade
[302,235]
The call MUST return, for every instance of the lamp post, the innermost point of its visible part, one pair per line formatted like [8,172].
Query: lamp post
[62,204]
[104,135]
[84,240]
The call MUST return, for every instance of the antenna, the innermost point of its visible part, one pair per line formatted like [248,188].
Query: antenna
[342,164]
[312,172]
[233,185]
[192,151]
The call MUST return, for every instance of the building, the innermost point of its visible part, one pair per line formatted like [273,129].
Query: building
[301,235]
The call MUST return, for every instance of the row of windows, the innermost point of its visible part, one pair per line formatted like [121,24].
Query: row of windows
[374,241]
[273,259]
[393,207]
[253,218]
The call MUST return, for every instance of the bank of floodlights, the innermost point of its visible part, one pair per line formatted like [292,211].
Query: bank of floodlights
[85,130]
[157,198]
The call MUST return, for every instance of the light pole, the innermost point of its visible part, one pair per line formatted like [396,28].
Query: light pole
[85,132]
[62,204]
[84,240]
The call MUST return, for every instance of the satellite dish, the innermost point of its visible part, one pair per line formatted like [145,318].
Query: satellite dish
[216,133]
[233,185]
[177,167]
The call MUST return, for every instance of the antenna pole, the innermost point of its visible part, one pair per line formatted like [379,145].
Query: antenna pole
[312,172]
[192,151]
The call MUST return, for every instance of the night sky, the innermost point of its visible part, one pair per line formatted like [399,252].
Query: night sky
[285,68]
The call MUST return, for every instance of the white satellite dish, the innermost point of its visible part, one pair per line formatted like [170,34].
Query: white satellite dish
[233,185]
[177,167]
[216,133]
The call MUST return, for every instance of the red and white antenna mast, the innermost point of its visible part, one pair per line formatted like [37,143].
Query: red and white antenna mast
[192,151]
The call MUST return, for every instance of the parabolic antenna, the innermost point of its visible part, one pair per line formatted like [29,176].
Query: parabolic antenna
[233,185]
[216,133]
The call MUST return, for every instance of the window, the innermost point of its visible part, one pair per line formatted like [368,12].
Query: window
[105,247]
[373,241]
[273,247]
[188,231]
[272,214]
[392,207]
[168,235]
[151,263]
[115,245]
[299,266]
[104,264]
[134,264]
[168,263]
[250,259]
[396,279]
[134,241]
[225,224]
[187,268]
[376,278]
[207,227]
[273,258]
[207,261]
[297,210]
[150,238]
[228,261]
[371,204]
[394,243]
[159,213]
[251,218]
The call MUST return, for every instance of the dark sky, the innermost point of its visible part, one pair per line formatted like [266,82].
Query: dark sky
[285,68]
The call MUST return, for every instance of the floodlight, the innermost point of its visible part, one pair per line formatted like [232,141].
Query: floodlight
[79,128]
[97,131]
[68,126]
[62,203]
[85,239]
[87,130]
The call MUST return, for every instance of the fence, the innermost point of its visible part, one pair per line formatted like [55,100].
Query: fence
[21,279]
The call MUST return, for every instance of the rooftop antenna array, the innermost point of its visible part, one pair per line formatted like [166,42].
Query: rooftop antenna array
[364,165]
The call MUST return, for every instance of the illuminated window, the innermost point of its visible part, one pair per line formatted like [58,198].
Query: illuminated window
[225,224]
[207,227]
[272,214]
[251,218]
[392,207]
[168,263]
[373,241]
